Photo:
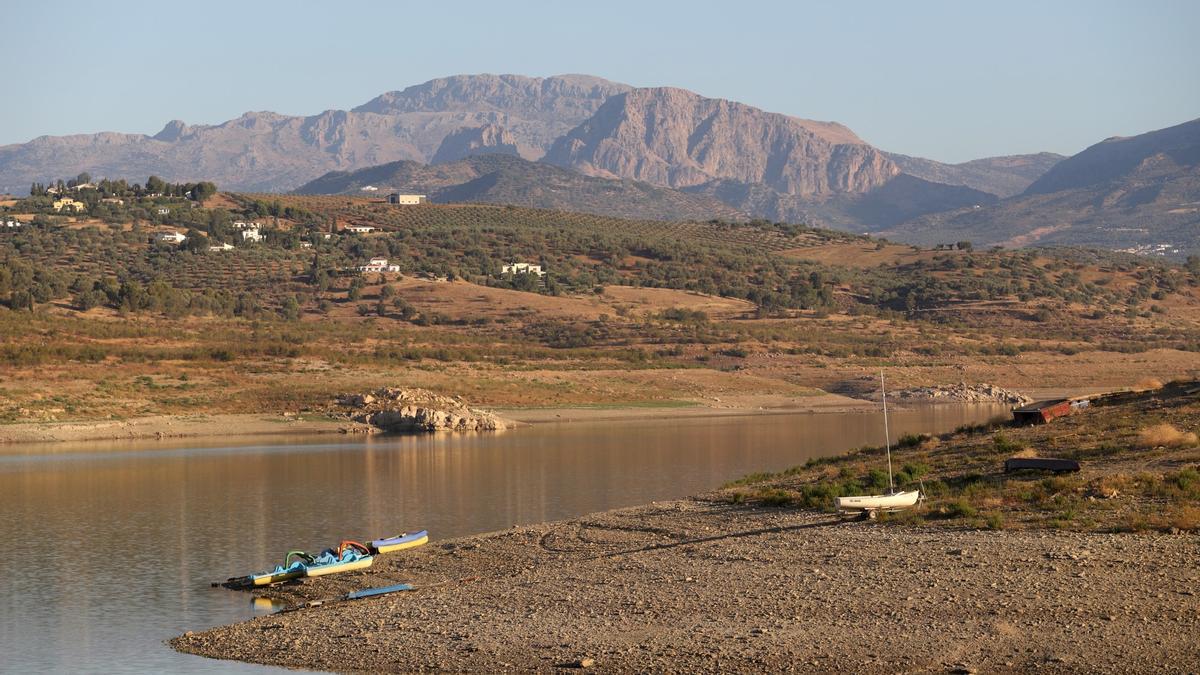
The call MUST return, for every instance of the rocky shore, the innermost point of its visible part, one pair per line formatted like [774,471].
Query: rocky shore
[963,393]
[416,410]
[699,586]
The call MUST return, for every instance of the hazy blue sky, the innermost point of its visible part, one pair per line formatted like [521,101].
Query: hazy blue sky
[946,80]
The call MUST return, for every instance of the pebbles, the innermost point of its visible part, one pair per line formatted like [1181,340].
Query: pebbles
[606,590]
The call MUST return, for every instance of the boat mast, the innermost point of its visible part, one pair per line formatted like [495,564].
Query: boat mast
[887,438]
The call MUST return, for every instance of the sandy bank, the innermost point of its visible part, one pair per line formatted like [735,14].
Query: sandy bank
[691,586]
[730,407]
[220,425]
[172,426]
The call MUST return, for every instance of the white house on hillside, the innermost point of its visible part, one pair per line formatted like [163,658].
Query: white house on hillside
[221,247]
[378,265]
[359,229]
[13,223]
[251,234]
[171,237]
[523,268]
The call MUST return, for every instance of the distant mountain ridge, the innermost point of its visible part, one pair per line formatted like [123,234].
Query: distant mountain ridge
[1140,193]
[666,151]
[265,151]
[1000,176]
[507,179]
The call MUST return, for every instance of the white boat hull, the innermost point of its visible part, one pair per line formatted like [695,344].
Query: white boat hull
[899,500]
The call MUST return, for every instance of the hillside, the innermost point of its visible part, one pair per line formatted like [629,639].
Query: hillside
[502,179]
[1000,176]
[101,318]
[1140,193]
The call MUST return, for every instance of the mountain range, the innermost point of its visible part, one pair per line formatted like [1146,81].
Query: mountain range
[657,152]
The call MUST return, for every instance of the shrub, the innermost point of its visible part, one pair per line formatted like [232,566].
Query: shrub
[1004,444]
[959,508]
[775,497]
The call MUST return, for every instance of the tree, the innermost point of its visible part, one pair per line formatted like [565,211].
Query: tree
[202,191]
[196,241]
[155,185]
[965,246]
[1193,264]
[291,308]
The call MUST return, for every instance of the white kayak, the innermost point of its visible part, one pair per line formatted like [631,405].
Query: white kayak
[898,500]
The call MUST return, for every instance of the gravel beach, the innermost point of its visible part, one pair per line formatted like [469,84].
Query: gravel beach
[699,586]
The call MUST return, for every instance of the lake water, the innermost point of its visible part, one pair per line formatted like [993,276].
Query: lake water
[109,548]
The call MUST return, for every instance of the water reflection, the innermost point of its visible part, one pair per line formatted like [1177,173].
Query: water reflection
[111,547]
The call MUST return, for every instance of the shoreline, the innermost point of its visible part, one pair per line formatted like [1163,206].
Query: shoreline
[202,425]
[698,586]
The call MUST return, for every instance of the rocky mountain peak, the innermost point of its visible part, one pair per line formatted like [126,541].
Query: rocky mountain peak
[674,137]
[173,131]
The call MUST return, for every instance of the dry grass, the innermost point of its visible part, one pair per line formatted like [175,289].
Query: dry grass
[1185,518]
[1167,436]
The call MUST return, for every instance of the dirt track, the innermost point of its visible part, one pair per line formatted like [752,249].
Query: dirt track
[692,586]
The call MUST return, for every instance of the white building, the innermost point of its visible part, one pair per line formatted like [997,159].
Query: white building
[171,237]
[162,211]
[378,265]
[251,234]
[221,247]
[13,223]
[397,198]
[359,229]
[523,268]
[368,188]
[241,225]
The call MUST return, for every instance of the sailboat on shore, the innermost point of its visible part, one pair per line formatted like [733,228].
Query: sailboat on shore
[893,499]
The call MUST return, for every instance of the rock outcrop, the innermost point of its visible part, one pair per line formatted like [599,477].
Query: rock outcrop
[673,137]
[416,410]
[962,393]
[490,139]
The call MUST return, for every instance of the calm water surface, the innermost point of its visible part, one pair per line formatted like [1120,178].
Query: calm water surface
[109,548]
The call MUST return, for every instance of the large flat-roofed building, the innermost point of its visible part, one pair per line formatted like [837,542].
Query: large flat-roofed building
[397,198]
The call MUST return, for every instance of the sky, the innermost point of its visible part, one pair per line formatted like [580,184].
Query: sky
[950,81]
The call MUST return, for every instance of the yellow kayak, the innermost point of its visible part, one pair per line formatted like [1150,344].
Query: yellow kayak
[347,557]
[286,572]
